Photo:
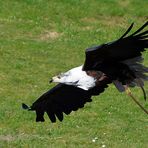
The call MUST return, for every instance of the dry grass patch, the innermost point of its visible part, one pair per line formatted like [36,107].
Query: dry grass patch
[113,20]
[124,3]
[49,35]
[86,28]
[89,19]
[106,20]
[6,138]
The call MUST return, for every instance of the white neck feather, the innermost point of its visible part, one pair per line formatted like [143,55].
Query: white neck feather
[76,77]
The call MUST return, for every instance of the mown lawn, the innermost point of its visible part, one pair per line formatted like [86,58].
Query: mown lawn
[41,38]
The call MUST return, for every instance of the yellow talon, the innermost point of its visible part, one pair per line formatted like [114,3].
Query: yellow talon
[128,91]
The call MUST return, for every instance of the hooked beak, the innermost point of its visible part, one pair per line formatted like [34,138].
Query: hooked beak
[55,79]
[51,80]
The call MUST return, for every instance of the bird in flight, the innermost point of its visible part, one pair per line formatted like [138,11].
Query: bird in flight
[118,62]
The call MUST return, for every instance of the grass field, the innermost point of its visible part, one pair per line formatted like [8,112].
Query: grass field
[41,38]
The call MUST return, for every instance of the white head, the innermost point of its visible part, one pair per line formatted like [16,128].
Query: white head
[76,77]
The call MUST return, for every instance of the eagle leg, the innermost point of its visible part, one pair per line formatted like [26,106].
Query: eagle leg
[129,93]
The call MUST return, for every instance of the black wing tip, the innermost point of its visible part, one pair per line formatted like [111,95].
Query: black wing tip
[25,107]
[127,31]
[131,26]
[140,29]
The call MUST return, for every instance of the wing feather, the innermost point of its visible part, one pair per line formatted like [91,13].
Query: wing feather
[63,99]
[119,50]
[141,28]
[128,30]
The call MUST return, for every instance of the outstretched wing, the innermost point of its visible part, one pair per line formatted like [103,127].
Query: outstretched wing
[63,99]
[122,49]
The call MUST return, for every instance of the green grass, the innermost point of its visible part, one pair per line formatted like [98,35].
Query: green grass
[39,39]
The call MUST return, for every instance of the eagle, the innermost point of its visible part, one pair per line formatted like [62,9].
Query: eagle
[119,62]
